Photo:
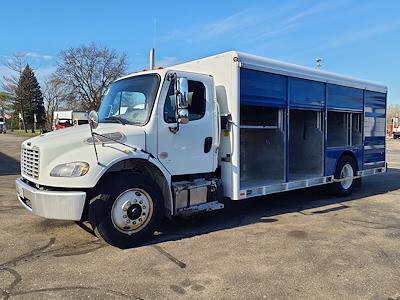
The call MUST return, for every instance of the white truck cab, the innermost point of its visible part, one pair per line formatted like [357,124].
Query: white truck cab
[183,140]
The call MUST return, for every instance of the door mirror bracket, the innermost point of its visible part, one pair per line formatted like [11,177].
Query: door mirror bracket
[181,90]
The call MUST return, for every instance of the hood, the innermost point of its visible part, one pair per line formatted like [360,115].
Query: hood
[77,136]
[74,144]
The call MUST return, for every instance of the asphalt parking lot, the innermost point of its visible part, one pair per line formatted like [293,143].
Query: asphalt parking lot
[302,244]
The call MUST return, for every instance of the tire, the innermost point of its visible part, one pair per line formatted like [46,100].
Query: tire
[127,209]
[345,167]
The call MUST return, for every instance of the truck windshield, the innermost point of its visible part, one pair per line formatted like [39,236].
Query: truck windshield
[129,101]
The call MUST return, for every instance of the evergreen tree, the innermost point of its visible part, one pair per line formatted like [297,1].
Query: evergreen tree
[29,100]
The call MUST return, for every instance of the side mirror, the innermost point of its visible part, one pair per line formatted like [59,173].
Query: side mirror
[93,119]
[183,116]
[182,90]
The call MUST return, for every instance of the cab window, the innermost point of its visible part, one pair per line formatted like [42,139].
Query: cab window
[196,100]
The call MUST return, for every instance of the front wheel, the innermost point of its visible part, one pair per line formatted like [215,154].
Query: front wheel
[345,172]
[127,209]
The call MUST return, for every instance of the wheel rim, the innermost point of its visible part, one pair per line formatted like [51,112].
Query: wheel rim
[346,176]
[132,211]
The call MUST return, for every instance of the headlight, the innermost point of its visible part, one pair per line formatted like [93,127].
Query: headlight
[73,169]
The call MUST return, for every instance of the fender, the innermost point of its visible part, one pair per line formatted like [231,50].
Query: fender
[146,164]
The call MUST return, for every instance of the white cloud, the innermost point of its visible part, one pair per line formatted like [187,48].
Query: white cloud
[352,37]
[299,17]
[38,55]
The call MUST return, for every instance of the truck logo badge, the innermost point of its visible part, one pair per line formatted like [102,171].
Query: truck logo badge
[163,155]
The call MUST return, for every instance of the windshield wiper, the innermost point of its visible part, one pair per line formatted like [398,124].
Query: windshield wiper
[118,119]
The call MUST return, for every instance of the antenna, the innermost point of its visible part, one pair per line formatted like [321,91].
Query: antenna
[318,63]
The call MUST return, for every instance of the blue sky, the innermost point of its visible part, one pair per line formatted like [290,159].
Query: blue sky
[356,38]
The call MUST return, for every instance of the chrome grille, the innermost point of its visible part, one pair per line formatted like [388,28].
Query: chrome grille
[30,163]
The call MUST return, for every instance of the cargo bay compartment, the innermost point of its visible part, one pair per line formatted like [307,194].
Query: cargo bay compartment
[306,144]
[262,146]
[263,99]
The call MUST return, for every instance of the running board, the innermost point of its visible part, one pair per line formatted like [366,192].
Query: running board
[284,187]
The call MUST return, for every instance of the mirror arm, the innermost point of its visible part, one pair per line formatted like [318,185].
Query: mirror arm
[174,77]
[175,129]
[94,143]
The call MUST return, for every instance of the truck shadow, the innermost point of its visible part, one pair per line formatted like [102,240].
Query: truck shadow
[269,208]
[8,165]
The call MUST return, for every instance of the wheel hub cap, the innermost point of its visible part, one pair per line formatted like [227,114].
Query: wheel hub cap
[132,210]
[346,176]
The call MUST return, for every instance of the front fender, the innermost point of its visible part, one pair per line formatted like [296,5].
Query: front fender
[108,155]
[135,156]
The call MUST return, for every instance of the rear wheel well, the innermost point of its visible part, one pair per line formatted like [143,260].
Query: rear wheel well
[350,154]
[143,166]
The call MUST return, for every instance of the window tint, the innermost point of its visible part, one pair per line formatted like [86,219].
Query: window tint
[129,100]
[196,100]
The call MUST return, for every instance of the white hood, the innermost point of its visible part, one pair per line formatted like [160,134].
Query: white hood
[71,145]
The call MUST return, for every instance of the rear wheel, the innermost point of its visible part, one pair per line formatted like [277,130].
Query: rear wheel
[127,209]
[346,169]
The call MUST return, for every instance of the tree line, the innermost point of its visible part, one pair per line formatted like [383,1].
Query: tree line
[80,81]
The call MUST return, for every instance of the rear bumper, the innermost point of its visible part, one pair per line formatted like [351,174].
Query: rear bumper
[60,205]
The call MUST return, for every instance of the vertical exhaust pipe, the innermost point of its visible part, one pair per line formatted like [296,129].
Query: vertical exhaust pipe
[152,59]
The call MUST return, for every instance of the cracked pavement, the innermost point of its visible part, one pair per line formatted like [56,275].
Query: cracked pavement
[303,244]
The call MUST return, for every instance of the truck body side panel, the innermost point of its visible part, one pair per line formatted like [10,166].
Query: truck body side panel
[285,116]
[374,130]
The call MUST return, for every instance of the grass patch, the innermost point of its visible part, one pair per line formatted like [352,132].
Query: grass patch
[22,132]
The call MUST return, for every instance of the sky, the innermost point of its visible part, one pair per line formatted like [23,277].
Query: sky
[356,38]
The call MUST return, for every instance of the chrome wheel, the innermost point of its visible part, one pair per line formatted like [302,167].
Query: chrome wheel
[346,176]
[132,211]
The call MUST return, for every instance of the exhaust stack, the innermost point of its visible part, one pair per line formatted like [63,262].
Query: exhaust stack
[152,59]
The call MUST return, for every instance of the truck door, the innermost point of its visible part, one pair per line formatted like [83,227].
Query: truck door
[192,149]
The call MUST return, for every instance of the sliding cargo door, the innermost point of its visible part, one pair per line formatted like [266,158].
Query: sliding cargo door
[262,128]
[374,129]
[306,129]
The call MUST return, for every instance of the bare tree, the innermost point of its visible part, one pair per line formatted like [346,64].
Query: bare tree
[56,97]
[10,83]
[16,65]
[87,72]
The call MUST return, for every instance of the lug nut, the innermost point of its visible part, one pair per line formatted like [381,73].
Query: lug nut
[144,206]
[140,202]
[124,216]
[134,222]
[140,219]
[137,194]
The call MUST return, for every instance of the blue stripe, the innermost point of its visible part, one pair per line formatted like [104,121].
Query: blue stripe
[374,140]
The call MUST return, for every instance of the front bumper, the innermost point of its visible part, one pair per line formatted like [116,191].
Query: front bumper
[60,205]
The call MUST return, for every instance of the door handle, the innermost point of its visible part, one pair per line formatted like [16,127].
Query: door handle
[207,144]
